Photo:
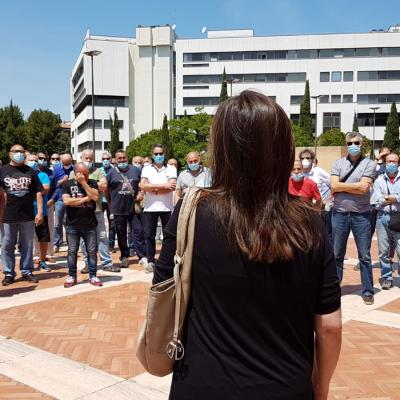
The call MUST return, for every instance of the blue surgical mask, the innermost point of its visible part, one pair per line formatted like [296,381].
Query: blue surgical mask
[18,157]
[354,150]
[55,163]
[122,165]
[298,177]
[106,163]
[33,164]
[194,166]
[391,168]
[89,164]
[159,159]
[42,163]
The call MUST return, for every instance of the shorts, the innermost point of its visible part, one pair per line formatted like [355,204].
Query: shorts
[43,231]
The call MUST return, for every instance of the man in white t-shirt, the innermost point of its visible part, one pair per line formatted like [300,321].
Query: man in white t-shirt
[158,182]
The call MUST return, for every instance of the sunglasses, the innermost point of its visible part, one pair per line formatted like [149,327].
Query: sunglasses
[56,159]
[158,154]
[42,158]
[305,158]
[356,143]
[106,158]
[17,151]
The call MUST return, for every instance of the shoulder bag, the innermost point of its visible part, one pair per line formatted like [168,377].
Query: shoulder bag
[159,344]
[394,222]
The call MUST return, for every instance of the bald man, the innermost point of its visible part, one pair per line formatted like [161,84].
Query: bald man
[61,173]
[80,195]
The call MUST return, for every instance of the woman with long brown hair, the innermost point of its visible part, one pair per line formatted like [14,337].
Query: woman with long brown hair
[264,292]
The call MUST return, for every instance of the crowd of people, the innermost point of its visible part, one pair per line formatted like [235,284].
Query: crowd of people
[46,203]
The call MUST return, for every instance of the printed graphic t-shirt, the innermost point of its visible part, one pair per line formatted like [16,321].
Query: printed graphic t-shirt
[82,216]
[21,184]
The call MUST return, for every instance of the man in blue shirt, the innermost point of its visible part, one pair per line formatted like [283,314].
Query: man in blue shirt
[61,174]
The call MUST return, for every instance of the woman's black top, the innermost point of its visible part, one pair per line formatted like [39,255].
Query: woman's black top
[250,326]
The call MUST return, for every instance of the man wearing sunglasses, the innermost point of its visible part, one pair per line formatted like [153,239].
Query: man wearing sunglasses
[351,181]
[158,182]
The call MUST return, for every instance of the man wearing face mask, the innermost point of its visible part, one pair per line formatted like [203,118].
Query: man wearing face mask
[386,197]
[42,231]
[123,190]
[351,181]
[195,175]
[61,174]
[98,176]
[158,182]
[137,162]
[54,160]
[300,186]
[43,167]
[21,186]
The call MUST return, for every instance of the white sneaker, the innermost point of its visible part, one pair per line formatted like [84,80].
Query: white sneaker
[143,261]
[149,268]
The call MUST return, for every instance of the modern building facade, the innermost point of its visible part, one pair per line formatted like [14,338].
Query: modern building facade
[158,73]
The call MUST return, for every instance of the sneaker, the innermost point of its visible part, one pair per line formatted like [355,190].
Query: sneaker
[357,267]
[36,260]
[124,262]
[8,280]
[386,284]
[111,268]
[95,281]
[368,299]
[29,278]
[85,270]
[70,281]
[149,268]
[143,262]
[132,253]
[43,266]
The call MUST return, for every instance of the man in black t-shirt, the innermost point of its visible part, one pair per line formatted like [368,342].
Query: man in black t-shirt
[79,196]
[22,187]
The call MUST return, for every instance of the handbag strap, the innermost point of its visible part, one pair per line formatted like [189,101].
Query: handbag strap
[184,252]
[347,176]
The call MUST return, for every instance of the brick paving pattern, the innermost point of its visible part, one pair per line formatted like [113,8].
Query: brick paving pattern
[9,389]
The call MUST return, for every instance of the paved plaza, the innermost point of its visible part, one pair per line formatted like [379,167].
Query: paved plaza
[79,343]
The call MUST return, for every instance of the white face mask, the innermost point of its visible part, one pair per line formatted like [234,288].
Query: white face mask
[306,163]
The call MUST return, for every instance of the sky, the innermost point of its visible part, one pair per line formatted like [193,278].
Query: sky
[40,40]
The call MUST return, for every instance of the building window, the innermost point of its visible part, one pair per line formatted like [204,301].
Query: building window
[348,76]
[336,76]
[98,124]
[324,76]
[367,119]
[326,53]
[88,145]
[331,120]
[377,98]
[108,126]
[336,98]
[196,65]
[200,101]
[296,99]
[347,98]
[324,98]
[378,75]
[109,101]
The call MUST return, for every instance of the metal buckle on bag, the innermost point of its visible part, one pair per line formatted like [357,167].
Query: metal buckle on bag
[175,350]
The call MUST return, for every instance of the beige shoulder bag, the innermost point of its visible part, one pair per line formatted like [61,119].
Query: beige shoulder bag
[159,344]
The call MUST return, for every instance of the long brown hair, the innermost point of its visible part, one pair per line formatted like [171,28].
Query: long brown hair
[252,154]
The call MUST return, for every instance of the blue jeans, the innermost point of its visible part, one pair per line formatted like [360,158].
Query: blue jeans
[385,239]
[102,243]
[360,225]
[59,212]
[89,237]
[23,231]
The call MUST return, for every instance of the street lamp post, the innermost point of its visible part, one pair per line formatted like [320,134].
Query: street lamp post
[232,81]
[316,121]
[91,54]
[372,155]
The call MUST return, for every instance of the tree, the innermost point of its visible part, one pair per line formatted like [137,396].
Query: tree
[355,124]
[300,137]
[165,140]
[333,137]
[305,119]
[114,134]
[391,138]
[44,133]
[141,146]
[224,89]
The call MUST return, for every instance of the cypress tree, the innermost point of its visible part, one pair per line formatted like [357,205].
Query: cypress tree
[114,128]
[305,119]
[166,142]
[391,138]
[355,124]
[224,89]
